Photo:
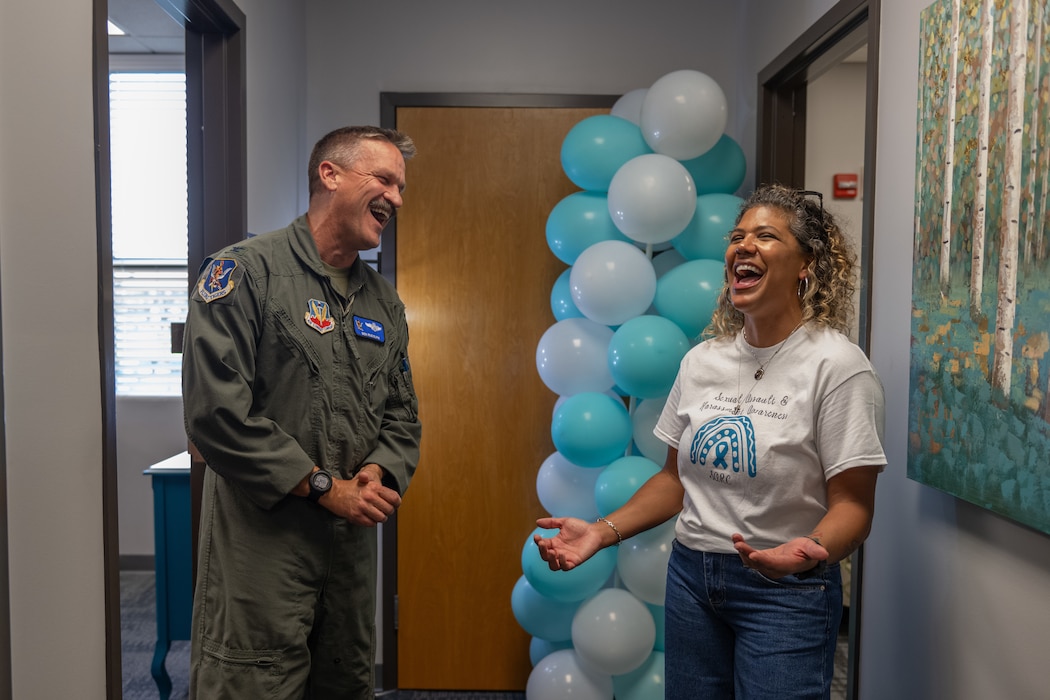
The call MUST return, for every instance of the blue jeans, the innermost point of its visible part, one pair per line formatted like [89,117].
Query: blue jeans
[733,633]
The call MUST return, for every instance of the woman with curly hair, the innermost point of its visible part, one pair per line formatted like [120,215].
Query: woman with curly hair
[774,427]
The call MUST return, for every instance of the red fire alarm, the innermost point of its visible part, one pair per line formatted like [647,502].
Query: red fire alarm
[845,185]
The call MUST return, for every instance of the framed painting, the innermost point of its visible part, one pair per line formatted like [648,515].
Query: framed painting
[979,412]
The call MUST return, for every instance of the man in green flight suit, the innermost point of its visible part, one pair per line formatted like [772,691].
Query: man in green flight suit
[298,393]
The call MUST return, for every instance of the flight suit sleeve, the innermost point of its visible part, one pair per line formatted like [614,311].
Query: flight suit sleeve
[400,430]
[218,371]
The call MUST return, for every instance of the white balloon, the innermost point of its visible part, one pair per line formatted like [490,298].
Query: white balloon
[612,282]
[629,106]
[540,648]
[643,420]
[566,490]
[684,114]
[561,676]
[642,562]
[571,356]
[652,198]
[613,631]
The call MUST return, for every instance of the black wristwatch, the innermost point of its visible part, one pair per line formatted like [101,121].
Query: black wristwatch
[320,484]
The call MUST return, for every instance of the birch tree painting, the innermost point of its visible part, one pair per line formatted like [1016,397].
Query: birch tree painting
[979,414]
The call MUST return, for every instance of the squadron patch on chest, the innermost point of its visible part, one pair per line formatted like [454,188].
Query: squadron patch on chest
[319,316]
[217,282]
[367,328]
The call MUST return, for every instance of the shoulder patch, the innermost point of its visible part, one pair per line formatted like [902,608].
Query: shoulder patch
[217,282]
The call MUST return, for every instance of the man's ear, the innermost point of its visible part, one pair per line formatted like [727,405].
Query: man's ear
[327,171]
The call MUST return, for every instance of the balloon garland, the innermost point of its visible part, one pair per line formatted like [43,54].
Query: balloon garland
[644,240]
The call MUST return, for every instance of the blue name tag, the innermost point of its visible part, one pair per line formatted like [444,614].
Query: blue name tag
[367,328]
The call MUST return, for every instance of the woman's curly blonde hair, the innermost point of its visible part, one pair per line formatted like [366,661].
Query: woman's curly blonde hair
[827,299]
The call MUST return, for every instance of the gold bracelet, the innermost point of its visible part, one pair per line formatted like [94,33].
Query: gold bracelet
[619,537]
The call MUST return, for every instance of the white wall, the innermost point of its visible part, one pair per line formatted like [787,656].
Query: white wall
[954,596]
[357,50]
[149,430]
[276,108]
[835,123]
[52,386]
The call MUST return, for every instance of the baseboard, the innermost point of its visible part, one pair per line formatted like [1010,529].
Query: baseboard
[137,562]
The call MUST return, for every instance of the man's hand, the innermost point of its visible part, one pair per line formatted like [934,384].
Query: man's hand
[362,500]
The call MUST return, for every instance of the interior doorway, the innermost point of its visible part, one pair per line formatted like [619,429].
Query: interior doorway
[844,44]
[211,37]
[474,269]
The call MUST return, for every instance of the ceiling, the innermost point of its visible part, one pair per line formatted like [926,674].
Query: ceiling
[149,29]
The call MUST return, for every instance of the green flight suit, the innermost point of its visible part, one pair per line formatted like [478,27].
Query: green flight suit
[282,372]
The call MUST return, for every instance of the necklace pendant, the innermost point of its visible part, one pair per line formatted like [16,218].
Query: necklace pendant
[759,373]
[736,410]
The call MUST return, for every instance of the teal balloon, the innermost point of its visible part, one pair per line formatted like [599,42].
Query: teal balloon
[572,586]
[720,170]
[562,304]
[643,683]
[644,355]
[591,429]
[539,615]
[597,146]
[620,480]
[707,235]
[579,221]
[688,294]
[539,648]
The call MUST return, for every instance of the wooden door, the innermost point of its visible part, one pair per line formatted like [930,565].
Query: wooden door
[475,272]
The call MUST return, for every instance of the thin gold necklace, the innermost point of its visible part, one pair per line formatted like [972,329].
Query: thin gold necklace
[761,371]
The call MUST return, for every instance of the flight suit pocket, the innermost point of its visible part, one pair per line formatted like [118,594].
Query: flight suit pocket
[224,672]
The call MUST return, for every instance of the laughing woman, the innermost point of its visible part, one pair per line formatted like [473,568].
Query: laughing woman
[774,426]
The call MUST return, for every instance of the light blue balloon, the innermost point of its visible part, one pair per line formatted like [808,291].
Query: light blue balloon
[569,356]
[688,294]
[579,221]
[707,235]
[660,619]
[539,615]
[643,683]
[719,170]
[570,586]
[591,429]
[538,648]
[644,355]
[644,418]
[596,147]
[620,480]
[562,304]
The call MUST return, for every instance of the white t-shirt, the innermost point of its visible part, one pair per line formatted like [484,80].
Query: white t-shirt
[817,411]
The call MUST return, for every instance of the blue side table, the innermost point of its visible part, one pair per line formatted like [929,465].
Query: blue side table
[173,557]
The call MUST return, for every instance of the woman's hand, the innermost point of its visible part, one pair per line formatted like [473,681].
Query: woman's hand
[575,542]
[792,557]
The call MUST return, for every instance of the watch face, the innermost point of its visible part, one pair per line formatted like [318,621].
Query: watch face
[321,481]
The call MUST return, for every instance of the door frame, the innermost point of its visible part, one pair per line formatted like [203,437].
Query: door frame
[780,152]
[389,103]
[217,206]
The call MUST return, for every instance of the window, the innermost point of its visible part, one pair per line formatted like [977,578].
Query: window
[148,170]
